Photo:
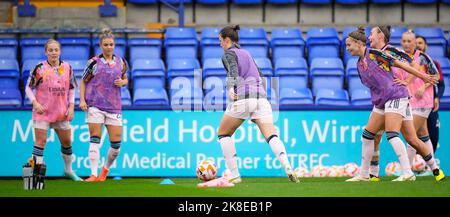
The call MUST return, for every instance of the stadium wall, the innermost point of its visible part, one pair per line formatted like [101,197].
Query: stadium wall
[161,143]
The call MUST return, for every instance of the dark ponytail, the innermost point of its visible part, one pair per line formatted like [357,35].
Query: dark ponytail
[230,32]
[386,30]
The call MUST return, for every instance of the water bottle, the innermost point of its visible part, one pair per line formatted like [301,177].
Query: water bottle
[27,174]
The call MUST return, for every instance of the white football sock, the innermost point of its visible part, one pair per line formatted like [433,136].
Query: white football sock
[113,152]
[94,155]
[411,151]
[400,151]
[367,154]
[67,158]
[279,150]
[229,152]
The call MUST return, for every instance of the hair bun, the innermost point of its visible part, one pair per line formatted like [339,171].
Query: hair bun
[361,29]
[237,28]
[106,31]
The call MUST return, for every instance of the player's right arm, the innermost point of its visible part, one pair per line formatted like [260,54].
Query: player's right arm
[230,64]
[87,76]
[33,81]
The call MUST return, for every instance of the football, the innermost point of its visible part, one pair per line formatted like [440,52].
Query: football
[206,170]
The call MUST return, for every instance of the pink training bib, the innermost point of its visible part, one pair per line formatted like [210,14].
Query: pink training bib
[426,101]
[53,92]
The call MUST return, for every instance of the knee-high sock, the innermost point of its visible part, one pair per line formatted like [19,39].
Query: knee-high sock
[94,154]
[400,151]
[229,152]
[368,144]
[38,154]
[279,150]
[427,141]
[67,157]
[113,152]
[430,161]
[411,153]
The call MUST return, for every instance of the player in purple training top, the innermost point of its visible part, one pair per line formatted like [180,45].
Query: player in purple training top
[100,97]
[247,99]
[391,106]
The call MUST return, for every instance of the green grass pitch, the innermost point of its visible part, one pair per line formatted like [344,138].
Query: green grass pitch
[250,187]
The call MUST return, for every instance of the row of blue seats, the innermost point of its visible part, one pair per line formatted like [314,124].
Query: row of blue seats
[291,1]
[322,73]
[183,43]
[215,98]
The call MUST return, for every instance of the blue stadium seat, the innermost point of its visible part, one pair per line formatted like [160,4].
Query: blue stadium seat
[213,67]
[143,1]
[295,97]
[322,2]
[78,67]
[351,73]
[180,43]
[326,73]
[212,2]
[9,74]
[322,42]
[214,88]
[186,99]
[215,99]
[330,97]
[445,99]
[184,68]
[148,73]
[435,39]
[27,67]
[33,48]
[120,48]
[10,98]
[210,44]
[349,2]
[8,48]
[445,65]
[361,97]
[254,40]
[75,48]
[386,1]
[265,65]
[150,97]
[293,72]
[144,48]
[282,1]
[125,97]
[287,42]
[345,32]
[421,1]
[247,2]
[177,1]
[396,36]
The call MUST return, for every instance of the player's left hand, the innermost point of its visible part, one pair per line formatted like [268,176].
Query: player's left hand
[419,92]
[119,82]
[436,105]
[70,113]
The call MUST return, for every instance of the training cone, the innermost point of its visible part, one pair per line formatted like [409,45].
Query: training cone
[117,178]
[167,182]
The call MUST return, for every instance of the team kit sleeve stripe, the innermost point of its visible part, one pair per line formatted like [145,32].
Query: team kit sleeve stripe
[88,72]
[383,57]
[432,69]
[398,54]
